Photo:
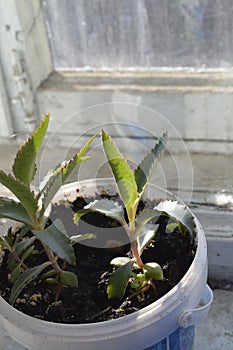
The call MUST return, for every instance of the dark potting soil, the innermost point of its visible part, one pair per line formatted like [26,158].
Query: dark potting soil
[88,303]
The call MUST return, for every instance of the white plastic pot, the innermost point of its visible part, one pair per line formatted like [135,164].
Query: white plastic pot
[139,330]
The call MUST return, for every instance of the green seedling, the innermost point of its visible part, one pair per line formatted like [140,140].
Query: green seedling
[131,185]
[31,210]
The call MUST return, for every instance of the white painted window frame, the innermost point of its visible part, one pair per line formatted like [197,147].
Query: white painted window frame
[25,61]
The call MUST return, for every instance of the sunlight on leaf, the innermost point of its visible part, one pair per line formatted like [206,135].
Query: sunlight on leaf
[153,270]
[24,167]
[178,212]
[21,191]
[82,237]
[146,215]
[145,235]
[122,173]
[57,178]
[107,207]
[79,214]
[120,261]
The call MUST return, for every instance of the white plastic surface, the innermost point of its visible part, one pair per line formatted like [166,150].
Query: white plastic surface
[192,317]
[135,331]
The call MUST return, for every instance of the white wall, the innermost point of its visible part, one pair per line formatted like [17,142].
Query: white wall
[195,106]
[24,62]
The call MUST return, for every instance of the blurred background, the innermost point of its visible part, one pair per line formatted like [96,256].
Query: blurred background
[137,68]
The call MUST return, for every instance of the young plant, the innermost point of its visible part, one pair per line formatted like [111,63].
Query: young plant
[31,209]
[131,187]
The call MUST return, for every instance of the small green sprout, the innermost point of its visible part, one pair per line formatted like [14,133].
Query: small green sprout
[131,186]
[31,210]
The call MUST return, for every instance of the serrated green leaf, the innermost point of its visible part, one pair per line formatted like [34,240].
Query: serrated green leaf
[153,270]
[21,247]
[24,245]
[18,238]
[179,213]
[9,239]
[107,207]
[24,167]
[103,206]
[24,279]
[69,279]
[145,235]
[146,215]
[119,280]
[120,261]
[58,177]
[11,209]
[3,242]
[78,158]
[28,252]
[22,192]
[5,239]
[122,173]
[23,231]
[52,187]
[56,238]
[143,171]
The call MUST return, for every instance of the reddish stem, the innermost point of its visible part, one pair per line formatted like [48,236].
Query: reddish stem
[52,259]
[17,258]
[136,255]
